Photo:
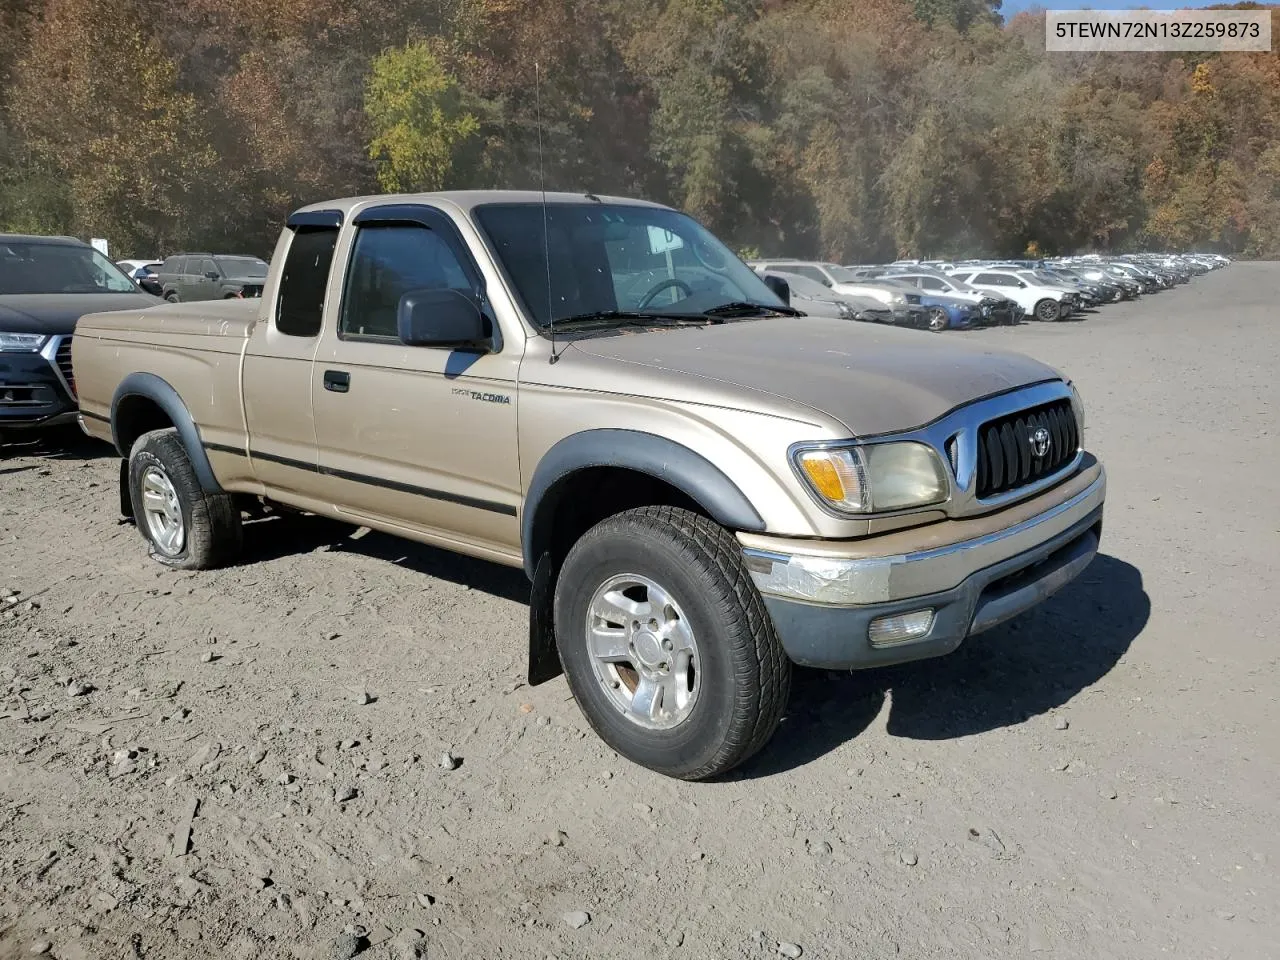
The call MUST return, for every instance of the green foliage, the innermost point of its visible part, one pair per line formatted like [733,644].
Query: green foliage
[418,117]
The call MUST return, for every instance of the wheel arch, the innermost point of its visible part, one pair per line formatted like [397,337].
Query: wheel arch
[582,460]
[144,402]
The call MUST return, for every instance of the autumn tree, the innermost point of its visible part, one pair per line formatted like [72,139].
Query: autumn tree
[419,119]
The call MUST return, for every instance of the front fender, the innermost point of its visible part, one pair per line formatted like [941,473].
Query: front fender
[689,472]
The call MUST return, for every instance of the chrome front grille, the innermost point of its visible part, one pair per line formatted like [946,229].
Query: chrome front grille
[992,466]
[1024,447]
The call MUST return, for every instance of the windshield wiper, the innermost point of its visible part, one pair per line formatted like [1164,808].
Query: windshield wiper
[620,317]
[745,308]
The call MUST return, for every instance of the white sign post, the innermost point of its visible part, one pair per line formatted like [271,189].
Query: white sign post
[99,244]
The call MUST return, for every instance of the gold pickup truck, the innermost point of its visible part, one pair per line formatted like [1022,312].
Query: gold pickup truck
[702,484]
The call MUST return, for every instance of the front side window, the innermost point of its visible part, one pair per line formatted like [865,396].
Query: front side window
[300,304]
[596,258]
[207,269]
[388,261]
[806,287]
[932,283]
[813,273]
[995,279]
[58,268]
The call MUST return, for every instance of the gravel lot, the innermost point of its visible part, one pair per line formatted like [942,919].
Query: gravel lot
[252,765]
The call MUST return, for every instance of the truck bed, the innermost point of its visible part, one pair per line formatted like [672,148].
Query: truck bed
[181,343]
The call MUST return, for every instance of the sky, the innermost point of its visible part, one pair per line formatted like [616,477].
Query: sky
[1009,7]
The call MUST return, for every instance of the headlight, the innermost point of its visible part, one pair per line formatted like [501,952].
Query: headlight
[872,478]
[1077,404]
[897,299]
[21,342]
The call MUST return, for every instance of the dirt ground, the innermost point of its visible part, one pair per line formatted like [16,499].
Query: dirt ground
[252,763]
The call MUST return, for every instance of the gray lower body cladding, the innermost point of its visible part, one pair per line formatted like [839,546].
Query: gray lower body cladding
[836,637]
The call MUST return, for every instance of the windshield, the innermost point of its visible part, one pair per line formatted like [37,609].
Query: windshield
[607,258]
[58,268]
[242,266]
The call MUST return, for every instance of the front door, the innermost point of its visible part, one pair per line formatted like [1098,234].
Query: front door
[416,438]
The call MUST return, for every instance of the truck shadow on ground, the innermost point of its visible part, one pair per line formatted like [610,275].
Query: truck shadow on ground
[1010,674]
[57,443]
[1006,676]
[273,538]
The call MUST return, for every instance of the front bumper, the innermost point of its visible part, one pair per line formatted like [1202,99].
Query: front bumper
[970,585]
[33,390]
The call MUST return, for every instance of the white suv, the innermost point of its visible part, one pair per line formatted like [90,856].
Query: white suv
[1040,300]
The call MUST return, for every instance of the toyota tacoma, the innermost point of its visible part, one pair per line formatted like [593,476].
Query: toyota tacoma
[703,486]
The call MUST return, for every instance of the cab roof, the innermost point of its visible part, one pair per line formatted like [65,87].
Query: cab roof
[468,200]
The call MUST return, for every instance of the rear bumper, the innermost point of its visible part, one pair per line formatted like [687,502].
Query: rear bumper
[968,586]
[32,391]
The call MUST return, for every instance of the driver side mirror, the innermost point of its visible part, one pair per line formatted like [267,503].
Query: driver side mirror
[212,275]
[780,287]
[441,318]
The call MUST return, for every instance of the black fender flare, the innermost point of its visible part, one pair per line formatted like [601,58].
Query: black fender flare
[689,472]
[158,391]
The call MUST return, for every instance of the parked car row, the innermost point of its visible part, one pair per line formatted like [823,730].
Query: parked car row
[942,295]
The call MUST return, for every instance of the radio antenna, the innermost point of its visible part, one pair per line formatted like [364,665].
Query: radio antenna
[546,231]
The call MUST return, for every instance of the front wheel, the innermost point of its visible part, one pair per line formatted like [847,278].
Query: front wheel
[938,319]
[171,296]
[183,526]
[1048,310]
[666,643]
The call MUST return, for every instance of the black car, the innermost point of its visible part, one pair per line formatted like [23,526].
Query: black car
[46,285]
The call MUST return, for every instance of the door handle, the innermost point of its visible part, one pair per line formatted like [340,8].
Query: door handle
[339,381]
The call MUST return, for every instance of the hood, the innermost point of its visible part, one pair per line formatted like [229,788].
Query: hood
[57,313]
[870,378]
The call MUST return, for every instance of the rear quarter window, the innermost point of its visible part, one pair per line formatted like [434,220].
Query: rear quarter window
[300,303]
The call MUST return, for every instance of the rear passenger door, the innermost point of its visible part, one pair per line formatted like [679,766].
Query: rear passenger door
[419,438]
[171,275]
[277,364]
[202,286]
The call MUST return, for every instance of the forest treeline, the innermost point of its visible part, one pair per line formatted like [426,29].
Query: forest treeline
[854,130]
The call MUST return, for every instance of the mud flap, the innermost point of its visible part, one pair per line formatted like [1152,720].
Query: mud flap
[544,660]
[126,501]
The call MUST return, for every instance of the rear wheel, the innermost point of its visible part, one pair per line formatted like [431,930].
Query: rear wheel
[1048,310]
[938,319]
[666,643]
[183,526]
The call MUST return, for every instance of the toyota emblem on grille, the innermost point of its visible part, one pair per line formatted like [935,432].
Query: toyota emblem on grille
[1040,441]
